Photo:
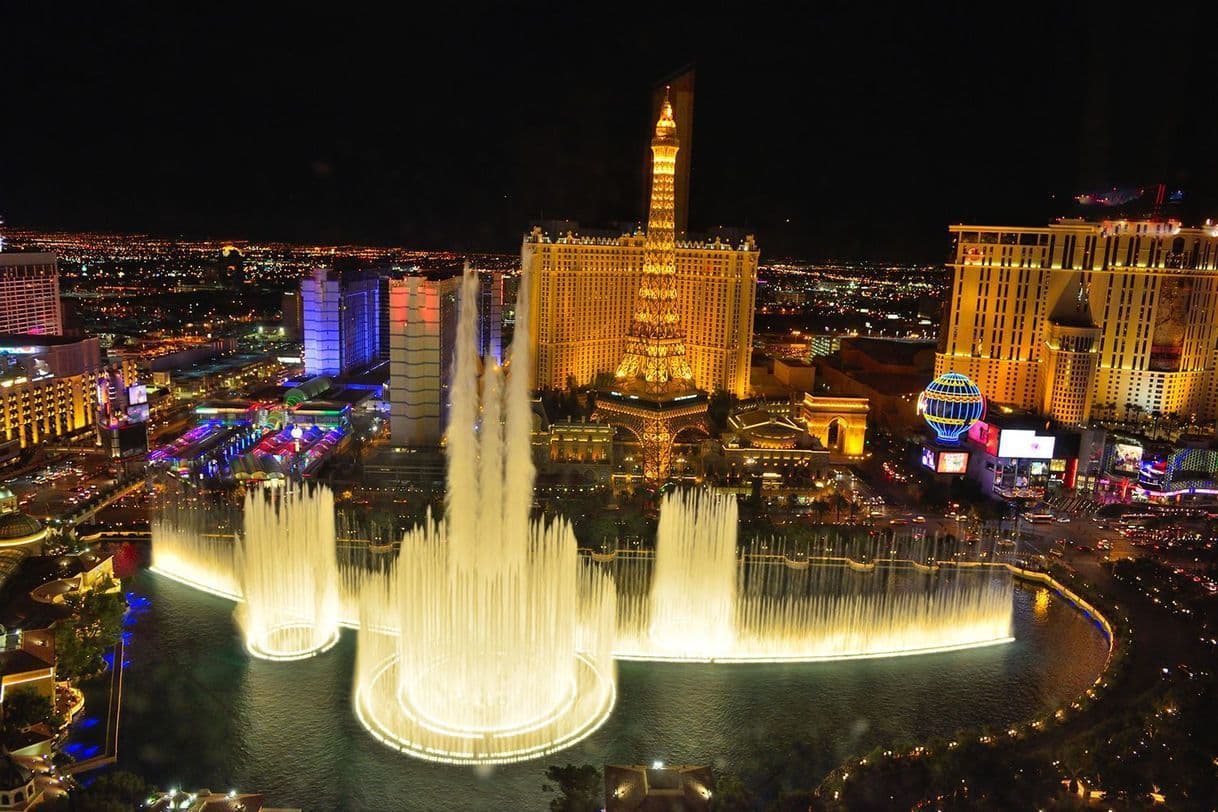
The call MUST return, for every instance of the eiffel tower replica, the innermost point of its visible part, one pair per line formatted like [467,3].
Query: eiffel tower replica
[654,396]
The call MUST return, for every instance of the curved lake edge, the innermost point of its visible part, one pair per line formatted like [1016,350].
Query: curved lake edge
[290,732]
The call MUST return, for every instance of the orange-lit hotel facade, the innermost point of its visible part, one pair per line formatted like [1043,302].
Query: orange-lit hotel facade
[1084,320]
[583,292]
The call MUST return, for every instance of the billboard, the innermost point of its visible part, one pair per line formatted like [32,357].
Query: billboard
[137,393]
[1024,444]
[985,435]
[137,413]
[1171,322]
[1154,473]
[952,462]
[944,461]
[1127,458]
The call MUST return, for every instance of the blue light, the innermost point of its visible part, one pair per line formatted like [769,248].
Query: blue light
[950,405]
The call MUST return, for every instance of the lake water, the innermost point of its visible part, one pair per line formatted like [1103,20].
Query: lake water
[198,712]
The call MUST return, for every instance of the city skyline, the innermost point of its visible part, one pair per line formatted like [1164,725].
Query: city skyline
[877,131]
[613,408]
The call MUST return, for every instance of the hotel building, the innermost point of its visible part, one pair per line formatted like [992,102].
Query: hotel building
[423,314]
[1081,319]
[29,294]
[47,387]
[341,315]
[422,342]
[583,291]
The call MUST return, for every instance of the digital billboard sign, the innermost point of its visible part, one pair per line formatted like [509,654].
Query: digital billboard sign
[137,413]
[1025,444]
[952,462]
[985,435]
[942,461]
[1127,458]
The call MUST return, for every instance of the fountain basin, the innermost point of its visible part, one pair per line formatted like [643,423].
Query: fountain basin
[396,720]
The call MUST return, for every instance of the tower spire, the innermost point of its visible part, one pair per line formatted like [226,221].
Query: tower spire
[666,126]
[655,346]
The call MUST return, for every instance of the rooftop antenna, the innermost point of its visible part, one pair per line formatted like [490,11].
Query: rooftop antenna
[1160,193]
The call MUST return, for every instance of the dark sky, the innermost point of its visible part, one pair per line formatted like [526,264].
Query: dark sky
[870,131]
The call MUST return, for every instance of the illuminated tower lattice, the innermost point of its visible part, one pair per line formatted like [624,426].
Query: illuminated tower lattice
[655,348]
[655,396]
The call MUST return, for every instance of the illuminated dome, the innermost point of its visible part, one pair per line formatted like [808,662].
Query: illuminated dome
[950,405]
[17,529]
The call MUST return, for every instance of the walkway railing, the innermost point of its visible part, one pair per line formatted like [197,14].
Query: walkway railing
[113,714]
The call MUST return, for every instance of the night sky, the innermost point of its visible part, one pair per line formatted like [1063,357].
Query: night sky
[869,132]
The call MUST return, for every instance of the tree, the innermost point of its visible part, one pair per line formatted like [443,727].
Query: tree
[111,792]
[24,707]
[731,795]
[838,502]
[95,625]
[1133,412]
[579,788]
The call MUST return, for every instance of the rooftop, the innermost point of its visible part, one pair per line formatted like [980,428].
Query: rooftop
[11,258]
[889,383]
[38,339]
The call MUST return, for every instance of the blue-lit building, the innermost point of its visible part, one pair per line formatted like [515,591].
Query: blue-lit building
[341,321]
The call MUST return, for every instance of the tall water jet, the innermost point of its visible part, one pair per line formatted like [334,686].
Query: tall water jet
[693,592]
[288,573]
[194,542]
[698,599]
[488,640]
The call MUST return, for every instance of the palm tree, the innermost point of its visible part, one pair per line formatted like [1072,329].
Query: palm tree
[1132,411]
[839,502]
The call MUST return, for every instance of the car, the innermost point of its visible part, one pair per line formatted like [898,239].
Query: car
[919,520]
[898,522]
[1063,519]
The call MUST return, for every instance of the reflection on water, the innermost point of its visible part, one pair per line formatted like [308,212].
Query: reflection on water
[198,712]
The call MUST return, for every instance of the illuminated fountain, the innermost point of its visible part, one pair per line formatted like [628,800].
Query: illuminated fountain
[194,543]
[697,601]
[288,573]
[488,640]
[693,592]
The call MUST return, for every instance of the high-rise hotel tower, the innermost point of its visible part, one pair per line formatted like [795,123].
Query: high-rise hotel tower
[29,294]
[583,292]
[1083,319]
